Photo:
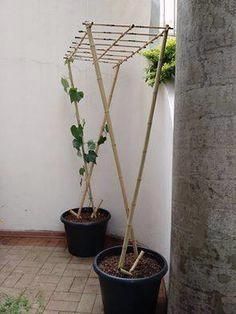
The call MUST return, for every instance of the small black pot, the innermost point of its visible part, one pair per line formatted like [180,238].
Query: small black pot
[85,239]
[129,296]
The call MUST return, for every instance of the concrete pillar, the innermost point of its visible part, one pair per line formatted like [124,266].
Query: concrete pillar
[203,249]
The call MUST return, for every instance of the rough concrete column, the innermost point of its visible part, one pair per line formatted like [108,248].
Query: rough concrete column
[203,253]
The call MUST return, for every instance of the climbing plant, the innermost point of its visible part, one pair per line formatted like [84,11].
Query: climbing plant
[168,68]
[85,149]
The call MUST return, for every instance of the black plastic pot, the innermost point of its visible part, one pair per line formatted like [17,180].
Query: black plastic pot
[129,296]
[85,239]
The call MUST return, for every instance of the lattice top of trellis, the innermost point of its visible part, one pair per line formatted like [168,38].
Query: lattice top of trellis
[115,43]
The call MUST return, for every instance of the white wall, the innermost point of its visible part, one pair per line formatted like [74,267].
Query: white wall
[37,162]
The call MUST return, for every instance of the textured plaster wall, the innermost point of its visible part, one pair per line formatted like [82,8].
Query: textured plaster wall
[38,165]
[203,260]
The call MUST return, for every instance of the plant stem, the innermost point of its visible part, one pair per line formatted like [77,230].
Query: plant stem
[82,146]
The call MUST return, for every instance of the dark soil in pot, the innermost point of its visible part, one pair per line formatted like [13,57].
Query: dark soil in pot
[123,295]
[85,237]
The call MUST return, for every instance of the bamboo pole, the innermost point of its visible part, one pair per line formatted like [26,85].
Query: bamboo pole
[116,45]
[103,58]
[142,47]
[100,49]
[83,152]
[112,39]
[124,58]
[89,60]
[87,54]
[125,25]
[77,47]
[125,272]
[119,33]
[136,261]
[100,134]
[110,127]
[146,142]
[94,214]
[116,41]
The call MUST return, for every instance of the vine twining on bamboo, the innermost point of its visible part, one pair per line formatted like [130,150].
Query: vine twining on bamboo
[89,155]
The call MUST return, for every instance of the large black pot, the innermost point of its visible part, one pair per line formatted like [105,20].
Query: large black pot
[85,239]
[129,296]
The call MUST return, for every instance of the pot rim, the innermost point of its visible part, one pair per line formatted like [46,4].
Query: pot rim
[73,223]
[154,277]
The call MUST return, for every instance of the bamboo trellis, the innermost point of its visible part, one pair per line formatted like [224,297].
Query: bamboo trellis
[115,44]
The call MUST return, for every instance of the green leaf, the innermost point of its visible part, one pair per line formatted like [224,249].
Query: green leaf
[77,132]
[81,171]
[168,68]
[80,95]
[101,140]
[75,95]
[90,157]
[91,145]
[77,143]
[65,84]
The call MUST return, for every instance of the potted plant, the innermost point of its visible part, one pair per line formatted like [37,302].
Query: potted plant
[130,281]
[85,227]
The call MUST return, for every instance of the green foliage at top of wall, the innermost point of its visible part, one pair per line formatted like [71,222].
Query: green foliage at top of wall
[168,68]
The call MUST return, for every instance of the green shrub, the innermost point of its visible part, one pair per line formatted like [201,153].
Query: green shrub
[18,305]
[168,68]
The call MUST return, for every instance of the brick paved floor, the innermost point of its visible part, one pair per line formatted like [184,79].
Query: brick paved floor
[53,280]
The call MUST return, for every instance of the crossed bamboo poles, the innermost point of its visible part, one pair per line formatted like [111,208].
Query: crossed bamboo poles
[88,172]
[129,233]
[130,212]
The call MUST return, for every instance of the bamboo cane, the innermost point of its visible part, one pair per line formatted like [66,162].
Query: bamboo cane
[83,152]
[116,45]
[125,272]
[146,142]
[73,213]
[103,58]
[100,49]
[100,134]
[116,41]
[110,127]
[89,60]
[120,33]
[142,47]
[87,54]
[94,214]
[112,39]
[124,25]
[136,261]
[135,264]
[77,46]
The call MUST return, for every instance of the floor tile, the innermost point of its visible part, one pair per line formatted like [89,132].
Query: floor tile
[65,284]
[54,281]
[68,306]
[78,284]
[86,303]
